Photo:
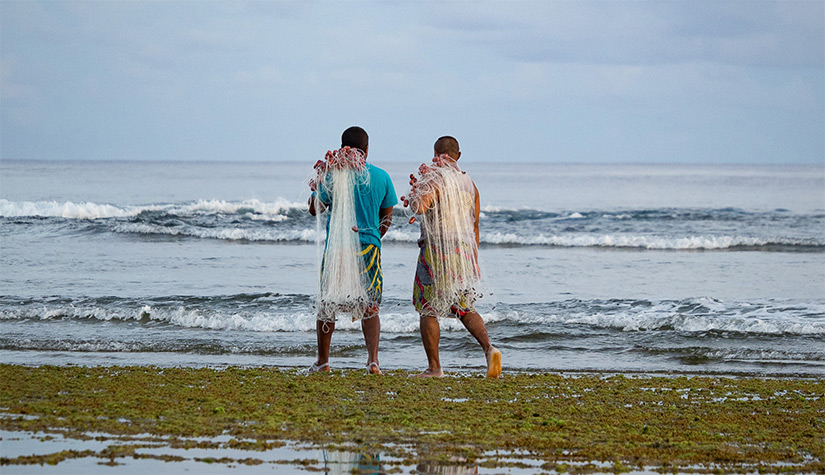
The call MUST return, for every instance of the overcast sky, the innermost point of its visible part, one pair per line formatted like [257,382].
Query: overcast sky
[547,81]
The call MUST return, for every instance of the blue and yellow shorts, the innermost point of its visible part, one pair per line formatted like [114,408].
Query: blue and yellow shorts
[372,268]
[424,290]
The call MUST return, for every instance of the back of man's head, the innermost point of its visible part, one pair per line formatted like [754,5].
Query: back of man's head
[448,145]
[355,137]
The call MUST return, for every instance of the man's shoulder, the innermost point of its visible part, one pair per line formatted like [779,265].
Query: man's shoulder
[377,172]
[466,176]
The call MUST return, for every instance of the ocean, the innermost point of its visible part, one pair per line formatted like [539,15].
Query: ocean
[685,269]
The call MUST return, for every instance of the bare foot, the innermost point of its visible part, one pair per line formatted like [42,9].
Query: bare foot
[318,368]
[431,373]
[373,368]
[493,363]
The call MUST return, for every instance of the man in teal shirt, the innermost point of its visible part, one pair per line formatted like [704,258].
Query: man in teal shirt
[373,214]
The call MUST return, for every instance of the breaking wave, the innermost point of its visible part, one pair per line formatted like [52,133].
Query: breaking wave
[648,242]
[88,210]
[309,235]
[229,234]
[294,313]
[284,221]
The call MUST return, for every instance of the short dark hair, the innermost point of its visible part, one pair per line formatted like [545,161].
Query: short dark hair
[355,137]
[448,145]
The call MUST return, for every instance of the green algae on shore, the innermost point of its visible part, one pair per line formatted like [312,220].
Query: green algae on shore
[739,424]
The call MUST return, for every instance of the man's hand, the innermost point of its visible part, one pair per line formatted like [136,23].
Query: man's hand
[385,220]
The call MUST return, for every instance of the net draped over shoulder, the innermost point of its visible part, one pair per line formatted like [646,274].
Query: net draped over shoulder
[448,276]
[345,284]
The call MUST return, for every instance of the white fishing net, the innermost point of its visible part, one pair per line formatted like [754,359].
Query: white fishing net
[443,197]
[342,286]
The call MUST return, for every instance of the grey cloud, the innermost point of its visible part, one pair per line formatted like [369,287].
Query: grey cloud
[768,34]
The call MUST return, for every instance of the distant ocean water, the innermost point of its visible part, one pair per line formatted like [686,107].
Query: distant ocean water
[651,268]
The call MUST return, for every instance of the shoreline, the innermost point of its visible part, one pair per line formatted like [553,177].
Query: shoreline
[354,364]
[589,421]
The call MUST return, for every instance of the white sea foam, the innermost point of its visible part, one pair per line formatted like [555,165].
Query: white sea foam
[652,320]
[66,209]
[692,316]
[206,318]
[300,321]
[273,208]
[510,239]
[640,241]
[703,315]
[763,355]
[86,210]
[620,241]
[96,344]
[259,322]
[229,234]
[495,209]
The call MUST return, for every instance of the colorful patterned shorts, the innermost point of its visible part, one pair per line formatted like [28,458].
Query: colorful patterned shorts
[424,289]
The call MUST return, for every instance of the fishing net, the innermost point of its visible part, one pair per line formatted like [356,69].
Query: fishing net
[443,197]
[342,286]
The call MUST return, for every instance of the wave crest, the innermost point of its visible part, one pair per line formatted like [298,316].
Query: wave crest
[229,234]
[645,242]
[294,313]
[89,210]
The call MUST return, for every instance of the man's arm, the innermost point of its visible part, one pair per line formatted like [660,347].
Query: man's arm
[385,220]
[311,203]
[312,209]
[421,204]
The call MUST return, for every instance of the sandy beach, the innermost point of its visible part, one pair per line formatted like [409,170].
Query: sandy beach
[261,419]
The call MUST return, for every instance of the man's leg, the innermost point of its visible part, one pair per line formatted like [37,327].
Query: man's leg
[370,322]
[371,326]
[323,331]
[475,325]
[430,336]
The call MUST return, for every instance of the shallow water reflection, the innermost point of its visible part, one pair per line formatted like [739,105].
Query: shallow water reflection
[446,469]
[340,463]
[336,463]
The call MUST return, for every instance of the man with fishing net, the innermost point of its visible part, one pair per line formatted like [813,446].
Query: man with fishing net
[357,198]
[447,276]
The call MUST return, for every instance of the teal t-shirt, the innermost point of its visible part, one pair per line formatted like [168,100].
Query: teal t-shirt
[369,200]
